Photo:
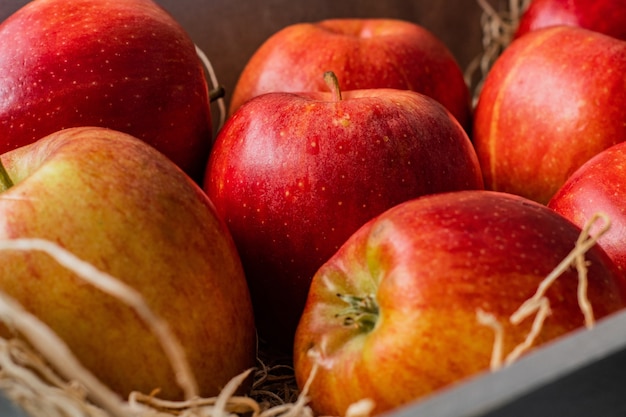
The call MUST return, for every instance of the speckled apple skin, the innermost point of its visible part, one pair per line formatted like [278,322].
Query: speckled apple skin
[604,16]
[363,53]
[120,205]
[294,175]
[550,102]
[121,64]
[430,264]
[599,185]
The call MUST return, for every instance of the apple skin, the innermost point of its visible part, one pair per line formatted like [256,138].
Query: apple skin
[121,64]
[119,204]
[550,102]
[294,175]
[429,264]
[604,16]
[364,54]
[599,185]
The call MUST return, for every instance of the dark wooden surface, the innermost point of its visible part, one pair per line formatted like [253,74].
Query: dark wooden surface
[229,31]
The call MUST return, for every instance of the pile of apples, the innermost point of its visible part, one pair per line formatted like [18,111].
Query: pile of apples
[354,211]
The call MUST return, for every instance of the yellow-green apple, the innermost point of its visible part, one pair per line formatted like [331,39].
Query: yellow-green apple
[364,54]
[295,174]
[392,315]
[604,16]
[122,64]
[119,204]
[551,101]
[599,185]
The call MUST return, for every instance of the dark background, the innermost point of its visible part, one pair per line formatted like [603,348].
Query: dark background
[229,31]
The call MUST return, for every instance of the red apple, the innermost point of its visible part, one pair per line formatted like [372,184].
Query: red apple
[294,175]
[122,64]
[550,102]
[392,316]
[604,16]
[599,185]
[117,203]
[364,54]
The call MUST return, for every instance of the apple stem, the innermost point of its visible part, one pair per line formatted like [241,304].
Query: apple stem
[5,179]
[216,93]
[362,312]
[333,84]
